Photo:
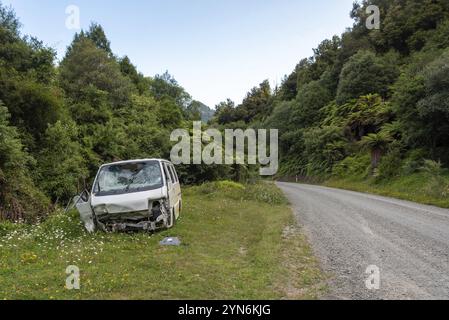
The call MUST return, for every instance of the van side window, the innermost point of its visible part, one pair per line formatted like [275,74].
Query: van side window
[167,174]
[171,173]
[174,173]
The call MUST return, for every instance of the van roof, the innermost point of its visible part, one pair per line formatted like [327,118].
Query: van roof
[132,161]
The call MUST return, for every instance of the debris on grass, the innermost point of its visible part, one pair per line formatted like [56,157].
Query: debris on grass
[170,242]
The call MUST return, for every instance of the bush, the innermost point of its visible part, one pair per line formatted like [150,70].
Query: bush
[60,223]
[7,227]
[227,186]
[413,162]
[19,198]
[260,191]
[230,185]
[265,192]
[363,74]
[356,167]
[390,165]
[437,186]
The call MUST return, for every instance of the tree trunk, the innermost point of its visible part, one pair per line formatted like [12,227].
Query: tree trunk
[376,155]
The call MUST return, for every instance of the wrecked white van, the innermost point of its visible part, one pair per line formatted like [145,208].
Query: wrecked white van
[137,195]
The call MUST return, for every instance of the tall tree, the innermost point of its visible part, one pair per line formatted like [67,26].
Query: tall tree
[365,74]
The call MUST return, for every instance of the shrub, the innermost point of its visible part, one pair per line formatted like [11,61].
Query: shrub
[413,162]
[69,225]
[260,191]
[390,165]
[7,227]
[437,185]
[353,167]
[265,192]
[230,185]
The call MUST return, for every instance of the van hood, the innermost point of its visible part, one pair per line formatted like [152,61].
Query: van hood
[126,203]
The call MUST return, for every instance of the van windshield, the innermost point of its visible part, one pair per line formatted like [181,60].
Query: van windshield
[128,178]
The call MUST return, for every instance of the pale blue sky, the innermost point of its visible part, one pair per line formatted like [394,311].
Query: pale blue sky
[216,49]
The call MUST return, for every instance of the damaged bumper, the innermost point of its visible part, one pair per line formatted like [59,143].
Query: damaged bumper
[122,219]
[133,212]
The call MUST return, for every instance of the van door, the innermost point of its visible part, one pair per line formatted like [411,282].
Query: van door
[170,185]
[84,208]
[177,189]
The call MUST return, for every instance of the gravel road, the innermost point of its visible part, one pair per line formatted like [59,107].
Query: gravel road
[351,231]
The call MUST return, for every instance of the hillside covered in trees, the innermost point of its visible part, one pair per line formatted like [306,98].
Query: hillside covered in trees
[372,104]
[59,122]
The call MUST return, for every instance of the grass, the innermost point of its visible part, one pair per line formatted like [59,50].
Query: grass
[417,187]
[239,242]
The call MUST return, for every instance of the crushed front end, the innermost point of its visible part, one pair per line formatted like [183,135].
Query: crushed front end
[127,217]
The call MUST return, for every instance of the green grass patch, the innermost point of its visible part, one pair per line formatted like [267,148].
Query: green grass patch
[239,242]
[418,187]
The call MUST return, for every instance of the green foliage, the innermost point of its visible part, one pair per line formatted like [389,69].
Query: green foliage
[9,21]
[230,185]
[257,103]
[414,161]
[61,166]
[385,90]
[406,25]
[12,155]
[256,106]
[323,147]
[432,168]
[225,112]
[264,192]
[86,68]
[364,74]
[311,98]
[376,141]
[19,198]
[391,165]
[130,71]
[438,185]
[169,114]
[420,101]
[26,73]
[377,145]
[354,167]
[96,35]
[7,228]
[165,86]
[359,117]
[32,105]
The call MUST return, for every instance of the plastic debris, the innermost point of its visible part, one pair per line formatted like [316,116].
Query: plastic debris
[170,242]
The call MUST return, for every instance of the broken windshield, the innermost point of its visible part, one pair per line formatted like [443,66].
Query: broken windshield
[128,178]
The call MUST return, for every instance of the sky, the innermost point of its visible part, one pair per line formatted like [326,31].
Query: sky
[216,49]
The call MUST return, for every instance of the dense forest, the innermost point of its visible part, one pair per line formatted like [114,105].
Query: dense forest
[59,122]
[369,103]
